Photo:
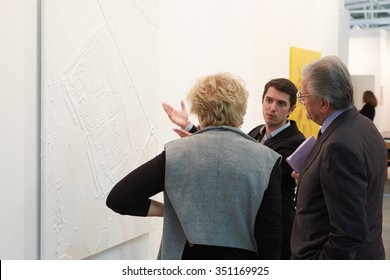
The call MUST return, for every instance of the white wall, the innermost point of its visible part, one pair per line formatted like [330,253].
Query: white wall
[369,54]
[19,123]
[197,37]
[250,38]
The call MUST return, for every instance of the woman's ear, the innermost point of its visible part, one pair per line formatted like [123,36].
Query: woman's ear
[200,125]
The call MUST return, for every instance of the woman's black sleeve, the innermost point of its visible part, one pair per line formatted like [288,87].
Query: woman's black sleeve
[268,227]
[131,195]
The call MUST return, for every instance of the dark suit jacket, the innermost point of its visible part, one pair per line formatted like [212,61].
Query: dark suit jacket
[284,143]
[340,193]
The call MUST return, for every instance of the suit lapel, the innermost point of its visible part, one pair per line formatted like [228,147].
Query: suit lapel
[350,113]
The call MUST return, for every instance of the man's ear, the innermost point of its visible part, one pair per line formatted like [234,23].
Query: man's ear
[325,105]
[292,108]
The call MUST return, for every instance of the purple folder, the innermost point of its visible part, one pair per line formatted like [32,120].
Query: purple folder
[297,158]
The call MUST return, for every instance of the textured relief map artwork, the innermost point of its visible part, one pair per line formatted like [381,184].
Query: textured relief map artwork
[99,116]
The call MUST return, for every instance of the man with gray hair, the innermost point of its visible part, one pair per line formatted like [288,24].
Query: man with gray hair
[340,189]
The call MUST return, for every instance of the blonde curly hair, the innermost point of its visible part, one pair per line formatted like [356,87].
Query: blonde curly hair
[219,99]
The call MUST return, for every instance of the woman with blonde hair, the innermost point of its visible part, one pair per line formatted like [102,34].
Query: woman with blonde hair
[222,195]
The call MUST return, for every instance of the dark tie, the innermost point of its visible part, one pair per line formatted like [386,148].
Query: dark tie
[319,134]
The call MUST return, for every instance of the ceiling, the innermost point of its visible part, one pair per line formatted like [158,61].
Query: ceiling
[369,13]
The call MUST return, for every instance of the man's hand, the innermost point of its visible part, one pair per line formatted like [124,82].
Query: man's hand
[177,117]
[181,132]
[295,175]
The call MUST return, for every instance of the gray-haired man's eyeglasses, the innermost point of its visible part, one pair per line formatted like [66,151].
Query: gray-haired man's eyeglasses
[301,97]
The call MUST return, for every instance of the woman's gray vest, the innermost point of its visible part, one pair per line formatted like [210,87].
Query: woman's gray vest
[214,184]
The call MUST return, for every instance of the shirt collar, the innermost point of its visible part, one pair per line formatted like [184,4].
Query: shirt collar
[331,118]
[273,133]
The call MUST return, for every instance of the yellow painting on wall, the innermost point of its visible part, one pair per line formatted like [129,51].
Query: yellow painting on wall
[298,59]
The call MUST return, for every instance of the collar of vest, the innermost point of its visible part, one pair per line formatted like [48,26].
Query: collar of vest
[226,128]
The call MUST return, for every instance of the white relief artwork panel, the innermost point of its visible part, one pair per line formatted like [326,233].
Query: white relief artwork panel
[99,115]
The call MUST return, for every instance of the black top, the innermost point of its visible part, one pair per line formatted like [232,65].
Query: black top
[131,196]
[368,111]
[284,143]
